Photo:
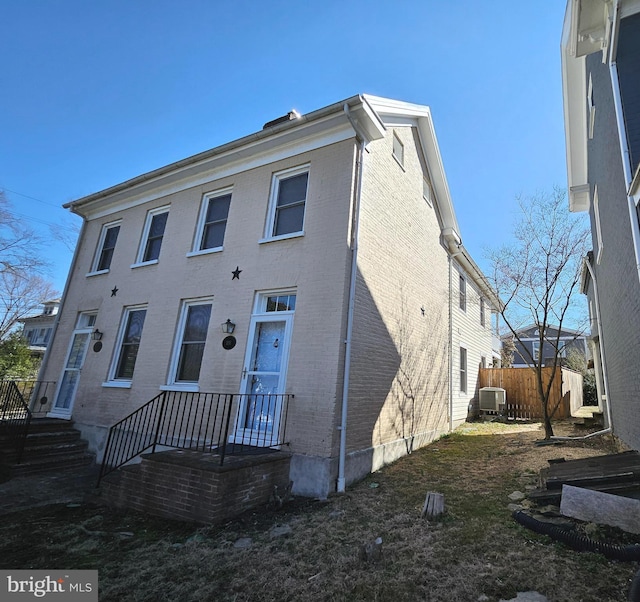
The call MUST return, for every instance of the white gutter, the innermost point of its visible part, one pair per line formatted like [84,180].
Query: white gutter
[622,135]
[605,378]
[341,482]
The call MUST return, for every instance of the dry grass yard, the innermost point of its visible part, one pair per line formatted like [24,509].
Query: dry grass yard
[311,550]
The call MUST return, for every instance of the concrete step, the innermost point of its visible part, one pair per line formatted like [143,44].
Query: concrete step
[51,463]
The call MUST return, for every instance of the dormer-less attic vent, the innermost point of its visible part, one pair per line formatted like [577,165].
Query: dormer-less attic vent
[290,116]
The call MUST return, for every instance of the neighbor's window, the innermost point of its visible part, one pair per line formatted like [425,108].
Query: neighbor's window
[463,370]
[213,221]
[192,335]
[287,204]
[106,246]
[152,235]
[463,293]
[398,149]
[129,342]
[536,350]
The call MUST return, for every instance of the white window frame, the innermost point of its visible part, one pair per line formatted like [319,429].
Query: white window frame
[462,290]
[427,192]
[112,379]
[100,247]
[591,108]
[172,383]
[464,369]
[483,311]
[398,150]
[204,206]
[144,239]
[273,201]
[535,350]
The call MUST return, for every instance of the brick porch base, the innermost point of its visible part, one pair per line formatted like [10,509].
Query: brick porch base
[192,486]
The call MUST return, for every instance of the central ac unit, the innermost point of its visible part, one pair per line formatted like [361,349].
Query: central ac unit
[492,398]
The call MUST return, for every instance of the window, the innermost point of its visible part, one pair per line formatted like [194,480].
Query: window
[128,343]
[189,350]
[591,108]
[152,235]
[281,303]
[536,350]
[463,370]
[287,204]
[106,245]
[463,293]
[398,149]
[213,221]
[426,191]
[482,310]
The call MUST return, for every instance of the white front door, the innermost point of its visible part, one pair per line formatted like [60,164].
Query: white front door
[63,405]
[264,380]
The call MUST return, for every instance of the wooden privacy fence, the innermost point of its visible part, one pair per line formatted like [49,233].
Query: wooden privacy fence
[522,392]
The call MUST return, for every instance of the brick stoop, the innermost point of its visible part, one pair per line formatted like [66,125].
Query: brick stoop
[193,487]
[51,445]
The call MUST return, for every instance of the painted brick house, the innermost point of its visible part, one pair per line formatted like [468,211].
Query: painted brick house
[328,243]
[601,92]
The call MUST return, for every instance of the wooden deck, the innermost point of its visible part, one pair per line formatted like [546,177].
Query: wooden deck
[615,473]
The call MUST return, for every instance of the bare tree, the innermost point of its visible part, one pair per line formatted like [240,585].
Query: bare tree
[537,277]
[22,268]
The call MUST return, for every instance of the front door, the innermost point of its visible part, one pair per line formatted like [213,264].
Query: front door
[264,380]
[63,405]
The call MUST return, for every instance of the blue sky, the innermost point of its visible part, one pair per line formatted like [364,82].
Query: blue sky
[94,93]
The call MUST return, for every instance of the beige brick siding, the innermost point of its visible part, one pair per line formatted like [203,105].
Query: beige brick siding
[317,265]
[399,379]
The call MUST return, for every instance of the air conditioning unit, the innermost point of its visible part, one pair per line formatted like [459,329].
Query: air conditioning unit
[492,398]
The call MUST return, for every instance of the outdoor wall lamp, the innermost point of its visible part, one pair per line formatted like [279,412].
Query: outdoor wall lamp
[96,335]
[228,327]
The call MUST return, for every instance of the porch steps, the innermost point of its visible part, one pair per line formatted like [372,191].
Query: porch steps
[51,445]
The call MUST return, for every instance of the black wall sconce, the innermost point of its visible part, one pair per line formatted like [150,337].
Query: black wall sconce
[228,327]
[96,335]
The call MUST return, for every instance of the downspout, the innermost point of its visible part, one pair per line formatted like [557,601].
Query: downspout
[605,378]
[54,329]
[622,135]
[341,483]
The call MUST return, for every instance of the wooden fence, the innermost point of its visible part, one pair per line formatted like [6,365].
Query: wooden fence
[522,393]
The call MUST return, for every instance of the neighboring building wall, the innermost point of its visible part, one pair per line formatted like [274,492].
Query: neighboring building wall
[616,273]
[398,396]
[317,265]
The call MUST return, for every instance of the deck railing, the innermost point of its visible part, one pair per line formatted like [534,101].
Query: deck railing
[221,423]
[15,417]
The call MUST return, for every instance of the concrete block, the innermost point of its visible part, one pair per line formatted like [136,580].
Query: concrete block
[601,508]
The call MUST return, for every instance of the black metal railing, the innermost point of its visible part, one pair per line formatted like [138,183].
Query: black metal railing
[221,423]
[15,417]
[38,394]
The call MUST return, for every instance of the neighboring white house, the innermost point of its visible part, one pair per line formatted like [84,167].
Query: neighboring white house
[329,240]
[37,329]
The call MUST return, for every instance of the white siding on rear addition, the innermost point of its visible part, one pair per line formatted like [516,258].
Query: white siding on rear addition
[471,330]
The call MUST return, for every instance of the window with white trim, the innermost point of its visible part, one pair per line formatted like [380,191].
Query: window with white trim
[426,192]
[482,312]
[105,248]
[591,108]
[287,203]
[152,235]
[190,341]
[463,292]
[535,345]
[463,370]
[128,343]
[213,221]
[398,149]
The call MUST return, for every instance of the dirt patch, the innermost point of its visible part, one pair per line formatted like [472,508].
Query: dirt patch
[313,550]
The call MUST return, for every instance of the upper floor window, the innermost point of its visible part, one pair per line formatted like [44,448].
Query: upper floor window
[152,235]
[426,192]
[287,203]
[591,108]
[463,293]
[106,246]
[128,343]
[398,149]
[213,221]
[482,312]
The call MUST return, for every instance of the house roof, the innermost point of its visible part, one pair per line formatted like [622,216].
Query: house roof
[363,115]
[564,331]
